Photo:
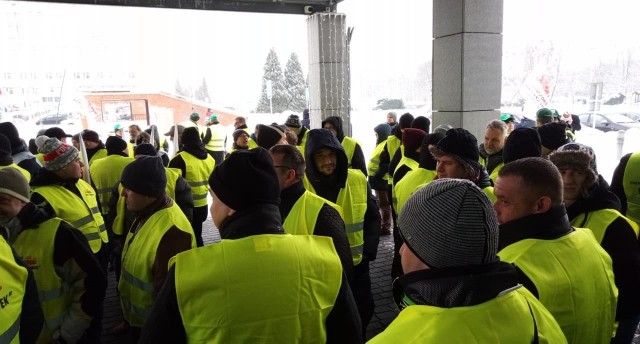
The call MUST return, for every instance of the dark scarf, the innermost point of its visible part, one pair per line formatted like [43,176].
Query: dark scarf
[259,219]
[546,226]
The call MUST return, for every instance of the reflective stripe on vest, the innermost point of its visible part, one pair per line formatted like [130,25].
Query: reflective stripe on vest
[374,163]
[353,201]
[411,182]
[506,318]
[82,213]
[138,255]
[13,279]
[574,279]
[303,216]
[412,165]
[24,172]
[218,135]
[36,246]
[105,174]
[349,146]
[599,220]
[300,276]
[197,174]
[631,187]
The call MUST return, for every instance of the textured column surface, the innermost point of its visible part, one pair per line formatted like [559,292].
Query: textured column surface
[467,63]
[328,69]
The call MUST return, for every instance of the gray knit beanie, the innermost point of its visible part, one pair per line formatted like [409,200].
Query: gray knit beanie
[14,183]
[55,154]
[450,222]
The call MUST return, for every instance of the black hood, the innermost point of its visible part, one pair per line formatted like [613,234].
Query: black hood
[599,197]
[323,138]
[337,123]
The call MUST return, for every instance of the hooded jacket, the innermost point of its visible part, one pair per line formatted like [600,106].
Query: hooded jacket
[193,145]
[20,153]
[329,187]
[619,241]
[357,160]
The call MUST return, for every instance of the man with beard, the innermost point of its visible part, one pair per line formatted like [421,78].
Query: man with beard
[491,150]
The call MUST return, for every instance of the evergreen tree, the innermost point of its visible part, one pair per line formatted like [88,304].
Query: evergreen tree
[273,72]
[202,93]
[295,84]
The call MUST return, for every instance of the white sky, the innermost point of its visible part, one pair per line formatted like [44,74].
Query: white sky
[391,37]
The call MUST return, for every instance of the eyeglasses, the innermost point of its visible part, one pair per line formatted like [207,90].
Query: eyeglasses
[282,166]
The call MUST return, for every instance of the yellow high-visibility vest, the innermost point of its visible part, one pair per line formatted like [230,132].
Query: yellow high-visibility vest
[304,214]
[300,276]
[13,279]
[197,175]
[105,174]
[138,255]
[82,213]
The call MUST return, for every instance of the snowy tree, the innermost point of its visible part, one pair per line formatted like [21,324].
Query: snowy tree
[185,92]
[202,93]
[272,72]
[295,84]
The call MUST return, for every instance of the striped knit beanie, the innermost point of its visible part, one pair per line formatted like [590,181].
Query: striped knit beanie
[450,222]
[55,154]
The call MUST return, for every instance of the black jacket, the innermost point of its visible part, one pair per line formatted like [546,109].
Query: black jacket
[357,160]
[329,224]
[403,170]
[490,160]
[71,251]
[551,225]
[164,324]
[329,187]
[621,244]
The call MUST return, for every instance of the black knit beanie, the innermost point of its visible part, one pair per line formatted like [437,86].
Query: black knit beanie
[521,143]
[450,222]
[245,179]
[405,121]
[90,135]
[145,176]
[145,149]
[5,146]
[115,145]
[553,135]
[461,143]
[191,136]
[422,123]
[269,136]
[11,132]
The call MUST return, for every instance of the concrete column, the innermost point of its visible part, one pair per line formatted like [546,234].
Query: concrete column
[467,63]
[328,69]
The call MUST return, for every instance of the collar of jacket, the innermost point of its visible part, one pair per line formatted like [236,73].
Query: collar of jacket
[599,197]
[259,219]
[30,216]
[289,197]
[456,286]
[46,177]
[546,226]
[162,202]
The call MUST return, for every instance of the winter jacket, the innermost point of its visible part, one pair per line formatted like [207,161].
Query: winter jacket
[616,182]
[491,161]
[357,160]
[76,265]
[329,187]
[619,240]
[165,323]
[329,224]
[468,304]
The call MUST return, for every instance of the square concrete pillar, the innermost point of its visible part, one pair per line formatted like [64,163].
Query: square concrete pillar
[329,79]
[467,62]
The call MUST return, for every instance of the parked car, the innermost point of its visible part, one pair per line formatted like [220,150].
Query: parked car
[54,118]
[633,115]
[608,122]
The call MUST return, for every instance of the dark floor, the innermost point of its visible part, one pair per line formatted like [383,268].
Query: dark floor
[385,310]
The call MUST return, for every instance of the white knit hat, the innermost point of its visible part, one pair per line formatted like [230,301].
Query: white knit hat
[450,222]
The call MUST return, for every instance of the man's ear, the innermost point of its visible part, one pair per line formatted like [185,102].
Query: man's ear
[542,205]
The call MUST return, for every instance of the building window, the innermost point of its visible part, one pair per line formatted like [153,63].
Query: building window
[7,76]
[50,76]
[59,75]
[76,75]
[86,75]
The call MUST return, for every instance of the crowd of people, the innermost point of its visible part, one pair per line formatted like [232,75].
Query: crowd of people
[515,239]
